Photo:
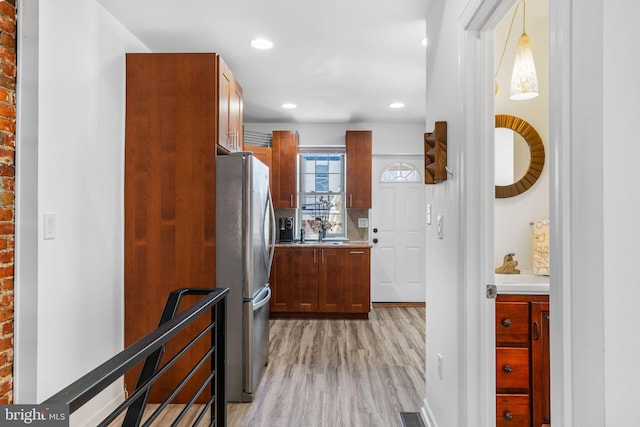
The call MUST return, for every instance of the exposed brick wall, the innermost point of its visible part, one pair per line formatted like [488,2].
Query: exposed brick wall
[7,176]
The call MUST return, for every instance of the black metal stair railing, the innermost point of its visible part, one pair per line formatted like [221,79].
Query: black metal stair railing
[151,349]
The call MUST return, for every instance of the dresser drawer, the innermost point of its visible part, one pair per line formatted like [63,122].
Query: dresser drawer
[512,410]
[512,322]
[512,368]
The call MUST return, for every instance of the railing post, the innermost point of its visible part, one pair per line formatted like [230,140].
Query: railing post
[219,316]
[135,412]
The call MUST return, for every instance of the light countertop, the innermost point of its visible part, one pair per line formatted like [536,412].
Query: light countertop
[325,244]
[524,283]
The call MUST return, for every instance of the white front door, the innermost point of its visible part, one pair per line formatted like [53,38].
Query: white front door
[397,233]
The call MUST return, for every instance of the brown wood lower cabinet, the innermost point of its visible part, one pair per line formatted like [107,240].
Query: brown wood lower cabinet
[320,282]
[522,361]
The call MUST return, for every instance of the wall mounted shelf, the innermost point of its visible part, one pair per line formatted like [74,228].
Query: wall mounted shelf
[435,154]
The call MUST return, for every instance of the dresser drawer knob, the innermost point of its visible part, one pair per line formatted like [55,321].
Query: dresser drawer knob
[507,369]
[506,323]
[508,416]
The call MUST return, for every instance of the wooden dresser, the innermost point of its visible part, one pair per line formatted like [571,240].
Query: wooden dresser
[522,361]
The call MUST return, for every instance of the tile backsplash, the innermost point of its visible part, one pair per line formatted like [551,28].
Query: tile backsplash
[353,232]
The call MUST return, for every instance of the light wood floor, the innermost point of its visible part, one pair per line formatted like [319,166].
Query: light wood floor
[340,372]
[334,373]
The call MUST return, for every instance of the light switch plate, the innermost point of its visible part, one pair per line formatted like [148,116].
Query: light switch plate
[363,222]
[428,213]
[440,226]
[49,225]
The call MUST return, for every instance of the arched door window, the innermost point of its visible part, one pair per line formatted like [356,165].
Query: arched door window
[400,172]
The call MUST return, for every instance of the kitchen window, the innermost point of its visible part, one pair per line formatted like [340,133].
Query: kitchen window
[322,192]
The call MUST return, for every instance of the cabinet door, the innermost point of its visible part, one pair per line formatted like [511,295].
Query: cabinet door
[281,280]
[357,280]
[224,95]
[358,150]
[230,133]
[169,215]
[284,154]
[264,154]
[304,286]
[235,116]
[540,366]
[331,281]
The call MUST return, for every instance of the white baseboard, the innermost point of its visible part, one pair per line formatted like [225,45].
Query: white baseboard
[427,414]
[97,409]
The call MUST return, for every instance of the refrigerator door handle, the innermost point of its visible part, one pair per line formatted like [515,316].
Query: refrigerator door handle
[272,243]
[264,301]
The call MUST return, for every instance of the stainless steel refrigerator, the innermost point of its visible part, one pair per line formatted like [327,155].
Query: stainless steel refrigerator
[245,241]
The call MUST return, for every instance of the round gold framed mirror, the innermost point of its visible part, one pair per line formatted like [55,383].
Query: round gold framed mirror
[536,159]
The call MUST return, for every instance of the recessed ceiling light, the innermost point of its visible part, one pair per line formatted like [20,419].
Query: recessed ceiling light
[262,44]
[424,41]
[289,105]
[396,105]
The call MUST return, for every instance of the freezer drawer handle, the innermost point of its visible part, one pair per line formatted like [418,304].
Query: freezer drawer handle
[263,301]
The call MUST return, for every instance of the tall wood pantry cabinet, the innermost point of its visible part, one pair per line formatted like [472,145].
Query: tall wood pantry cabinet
[284,154]
[172,136]
[358,149]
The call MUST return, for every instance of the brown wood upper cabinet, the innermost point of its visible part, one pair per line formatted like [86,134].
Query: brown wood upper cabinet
[358,149]
[230,130]
[265,156]
[284,173]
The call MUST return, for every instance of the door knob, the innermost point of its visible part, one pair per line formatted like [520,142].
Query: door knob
[375,240]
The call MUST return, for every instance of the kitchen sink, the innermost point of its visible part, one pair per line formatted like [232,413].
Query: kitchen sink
[324,242]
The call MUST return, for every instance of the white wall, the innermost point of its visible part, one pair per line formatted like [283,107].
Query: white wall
[444,316]
[80,96]
[594,289]
[621,205]
[388,138]
[512,215]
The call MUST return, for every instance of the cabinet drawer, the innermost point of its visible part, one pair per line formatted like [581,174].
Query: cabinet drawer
[512,410]
[512,368]
[512,322]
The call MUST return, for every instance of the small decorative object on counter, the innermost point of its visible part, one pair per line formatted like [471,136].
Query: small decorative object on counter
[508,265]
[302,235]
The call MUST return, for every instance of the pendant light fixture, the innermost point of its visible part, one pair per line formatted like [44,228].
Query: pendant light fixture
[524,81]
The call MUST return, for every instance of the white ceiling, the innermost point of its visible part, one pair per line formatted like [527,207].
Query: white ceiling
[338,60]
